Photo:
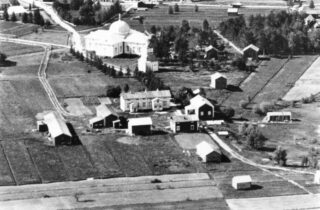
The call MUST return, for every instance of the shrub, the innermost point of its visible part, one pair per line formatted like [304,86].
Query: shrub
[280,156]
[176,8]
[228,112]
[196,8]
[170,10]
[243,104]
[126,88]
[113,92]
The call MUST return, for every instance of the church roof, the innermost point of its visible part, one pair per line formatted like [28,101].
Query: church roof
[120,28]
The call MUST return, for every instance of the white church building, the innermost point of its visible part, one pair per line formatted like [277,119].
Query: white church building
[121,39]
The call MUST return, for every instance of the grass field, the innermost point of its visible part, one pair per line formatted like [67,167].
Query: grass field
[48,36]
[286,77]
[307,84]
[160,17]
[18,49]
[17,29]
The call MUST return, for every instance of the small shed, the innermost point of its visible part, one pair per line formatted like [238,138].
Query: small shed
[317,177]
[251,51]
[233,11]
[278,117]
[209,152]
[107,113]
[96,122]
[241,182]
[218,81]
[184,123]
[139,126]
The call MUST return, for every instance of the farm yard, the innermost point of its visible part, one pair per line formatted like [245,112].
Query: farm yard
[160,17]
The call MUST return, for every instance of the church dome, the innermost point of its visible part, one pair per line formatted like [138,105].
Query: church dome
[120,27]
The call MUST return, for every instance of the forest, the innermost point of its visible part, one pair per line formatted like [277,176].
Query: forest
[276,33]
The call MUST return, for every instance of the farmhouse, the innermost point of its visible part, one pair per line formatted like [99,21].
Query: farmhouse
[233,11]
[200,107]
[139,126]
[105,117]
[58,130]
[278,117]
[251,51]
[147,100]
[211,52]
[218,81]
[184,123]
[241,182]
[208,152]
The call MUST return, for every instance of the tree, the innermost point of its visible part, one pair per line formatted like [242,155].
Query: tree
[170,10]
[5,14]
[181,47]
[183,96]
[37,18]
[228,112]
[205,25]
[254,138]
[126,88]
[176,8]
[97,6]
[13,17]
[25,18]
[76,4]
[196,8]
[280,156]
[29,7]
[136,72]
[153,29]
[311,5]
[3,58]
[128,73]
[185,27]
[113,92]
[112,72]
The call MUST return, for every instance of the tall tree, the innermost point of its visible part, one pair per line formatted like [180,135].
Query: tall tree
[5,14]
[311,5]
[37,18]
[25,18]
[205,25]
[13,17]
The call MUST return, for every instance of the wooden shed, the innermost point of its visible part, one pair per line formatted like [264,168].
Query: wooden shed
[241,182]
[209,152]
[139,126]
[218,81]
[251,51]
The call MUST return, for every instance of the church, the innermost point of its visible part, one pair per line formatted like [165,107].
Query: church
[121,39]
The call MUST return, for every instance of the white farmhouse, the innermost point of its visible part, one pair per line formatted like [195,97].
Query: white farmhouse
[147,100]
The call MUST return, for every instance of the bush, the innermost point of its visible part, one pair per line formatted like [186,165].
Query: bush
[243,104]
[266,107]
[228,112]
[170,10]
[113,92]
[280,156]
[254,137]
[196,8]
[176,8]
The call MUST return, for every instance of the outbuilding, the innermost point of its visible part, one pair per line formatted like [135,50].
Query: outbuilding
[104,114]
[59,132]
[96,122]
[317,177]
[184,123]
[139,126]
[233,11]
[278,117]
[251,51]
[209,152]
[218,81]
[241,182]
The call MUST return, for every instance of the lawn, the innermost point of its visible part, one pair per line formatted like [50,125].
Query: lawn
[17,29]
[11,49]
[55,37]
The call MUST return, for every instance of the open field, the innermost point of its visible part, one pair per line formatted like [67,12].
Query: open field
[76,107]
[256,81]
[307,84]
[285,78]
[48,36]
[159,16]
[195,80]
[18,49]
[17,29]
[190,141]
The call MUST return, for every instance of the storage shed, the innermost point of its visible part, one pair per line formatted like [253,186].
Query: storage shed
[209,152]
[278,117]
[184,123]
[139,126]
[218,81]
[241,182]
[251,51]
[107,113]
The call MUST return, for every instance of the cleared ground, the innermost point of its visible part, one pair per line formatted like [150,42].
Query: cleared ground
[307,84]
[56,37]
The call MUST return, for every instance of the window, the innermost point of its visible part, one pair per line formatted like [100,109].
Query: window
[191,111]
[178,128]
[143,104]
[192,127]
[209,112]
[164,103]
[127,48]
[201,113]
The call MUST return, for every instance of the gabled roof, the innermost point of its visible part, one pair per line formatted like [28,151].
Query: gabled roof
[147,94]
[184,118]
[199,101]
[95,119]
[104,111]
[251,46]
[140,121]
[204,148]
[309,18]
[56,125]
[217,75]
[278,114]
[210,47]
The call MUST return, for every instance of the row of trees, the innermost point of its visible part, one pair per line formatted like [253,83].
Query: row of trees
[32,17]
[275,33]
